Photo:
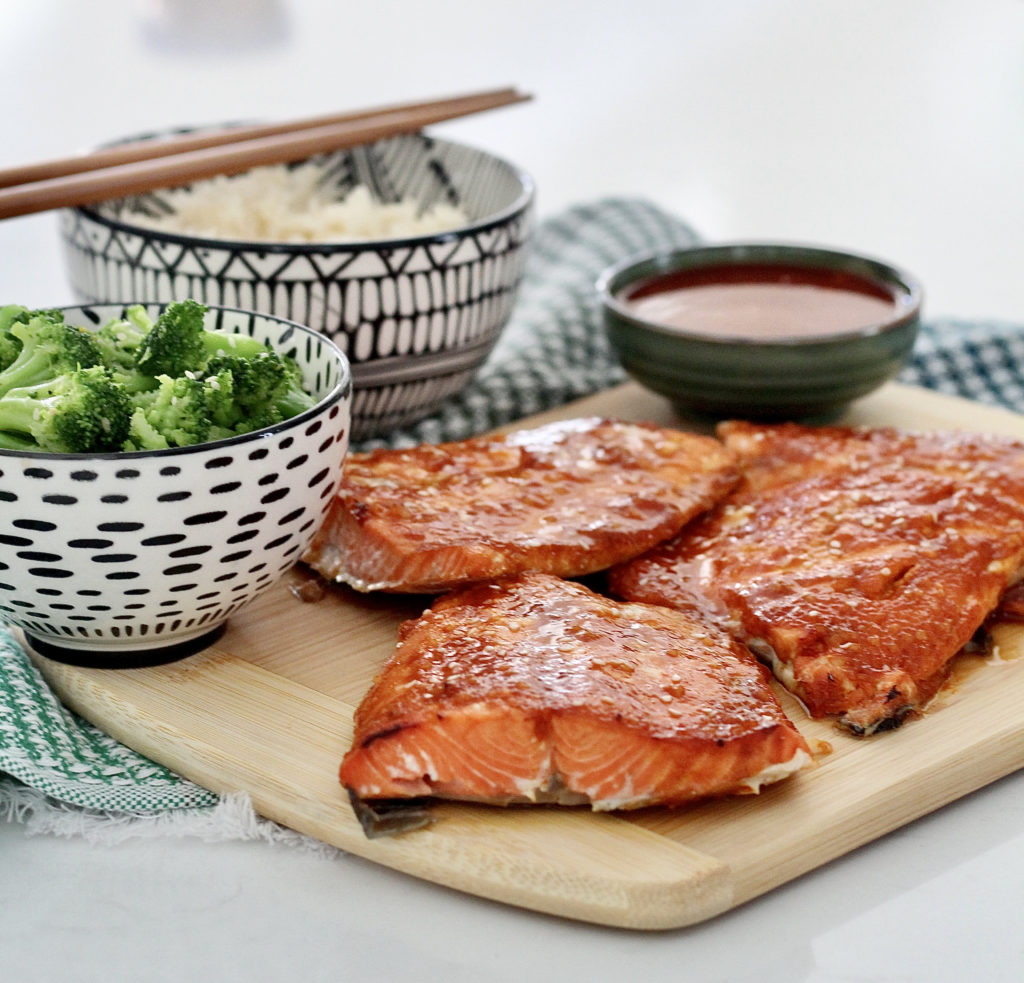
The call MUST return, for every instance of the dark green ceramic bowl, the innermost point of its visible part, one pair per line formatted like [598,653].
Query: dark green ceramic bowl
[785,378]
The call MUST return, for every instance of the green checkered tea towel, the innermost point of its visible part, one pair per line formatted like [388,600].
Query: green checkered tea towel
[61,774]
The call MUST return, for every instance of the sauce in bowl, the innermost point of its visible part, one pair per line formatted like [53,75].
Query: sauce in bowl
[761,301]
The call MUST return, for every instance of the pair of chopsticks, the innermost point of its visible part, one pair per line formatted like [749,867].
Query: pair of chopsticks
[133,168]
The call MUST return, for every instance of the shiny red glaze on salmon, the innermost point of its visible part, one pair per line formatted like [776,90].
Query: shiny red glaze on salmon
[535,689]
[858,562]
[569,498]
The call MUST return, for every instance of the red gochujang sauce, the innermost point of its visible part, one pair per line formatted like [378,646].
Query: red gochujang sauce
[761,301]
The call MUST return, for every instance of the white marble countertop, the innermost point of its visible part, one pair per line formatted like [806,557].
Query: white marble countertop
[891,127]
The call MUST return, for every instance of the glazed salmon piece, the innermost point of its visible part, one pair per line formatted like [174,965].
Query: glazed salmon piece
[535,689]
[569,498]
[857,562]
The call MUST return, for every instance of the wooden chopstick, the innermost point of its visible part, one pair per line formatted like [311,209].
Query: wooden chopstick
[126,153]
[146,165]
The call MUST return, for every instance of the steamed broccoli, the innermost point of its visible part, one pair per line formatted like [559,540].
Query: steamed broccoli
[75,412]
[11,314]
[253,392]
[48,348]
[179,342]
[9,345]
[175,414]
[136,384]
[119,341]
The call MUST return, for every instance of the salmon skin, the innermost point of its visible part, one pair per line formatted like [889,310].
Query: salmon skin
[534,689]
[570,498]
[857,561]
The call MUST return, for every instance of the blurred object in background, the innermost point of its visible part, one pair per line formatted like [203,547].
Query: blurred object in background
[201,26]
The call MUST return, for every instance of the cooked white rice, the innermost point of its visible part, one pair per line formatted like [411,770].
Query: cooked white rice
[288,204]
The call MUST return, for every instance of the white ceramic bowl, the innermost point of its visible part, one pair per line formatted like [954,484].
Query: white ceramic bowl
[416,316]
[137,557]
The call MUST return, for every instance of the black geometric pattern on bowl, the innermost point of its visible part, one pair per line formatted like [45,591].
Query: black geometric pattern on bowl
[415,316]
[158,547]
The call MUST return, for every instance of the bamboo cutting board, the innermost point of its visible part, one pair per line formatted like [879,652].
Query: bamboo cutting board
[268,710]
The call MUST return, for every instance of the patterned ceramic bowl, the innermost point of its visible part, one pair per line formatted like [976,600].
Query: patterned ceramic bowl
[415,316]
[847,325]
[127,558]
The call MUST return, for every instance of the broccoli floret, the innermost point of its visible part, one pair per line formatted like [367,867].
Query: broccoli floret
[81,411]
[49,348]
[174,346]
[9,345]
[255,392]
[179,342]
[225,414]
[293,399]
[143,436]
[175,414]
[11,314]
[119,342]
[234,404]
[121,338]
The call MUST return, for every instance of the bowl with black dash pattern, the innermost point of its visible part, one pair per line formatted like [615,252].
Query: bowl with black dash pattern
[124,559]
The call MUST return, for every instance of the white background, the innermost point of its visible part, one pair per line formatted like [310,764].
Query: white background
[893,127]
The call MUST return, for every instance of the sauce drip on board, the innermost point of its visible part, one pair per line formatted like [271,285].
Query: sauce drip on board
[761,301]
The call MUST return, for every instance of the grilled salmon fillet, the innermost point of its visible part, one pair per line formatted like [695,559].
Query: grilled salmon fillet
[858,562]
[535,689]
[569,498]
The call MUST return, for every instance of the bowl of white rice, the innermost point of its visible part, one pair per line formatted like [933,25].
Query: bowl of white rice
[407,253]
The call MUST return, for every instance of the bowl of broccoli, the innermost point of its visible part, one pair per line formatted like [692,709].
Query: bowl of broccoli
[160,467]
